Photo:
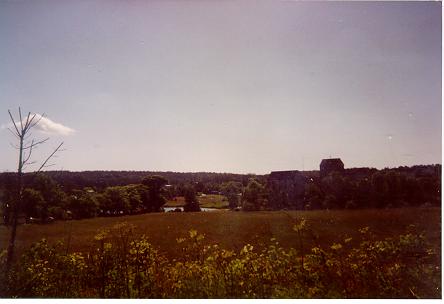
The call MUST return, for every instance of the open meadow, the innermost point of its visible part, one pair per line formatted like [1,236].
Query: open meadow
[383,253]
[205,201]
[232,230]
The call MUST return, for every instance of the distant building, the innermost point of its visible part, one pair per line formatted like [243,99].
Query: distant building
[330,165]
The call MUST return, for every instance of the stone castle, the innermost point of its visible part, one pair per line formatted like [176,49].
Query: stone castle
[287,188]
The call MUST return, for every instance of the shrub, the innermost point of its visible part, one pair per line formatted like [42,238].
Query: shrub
[121,265]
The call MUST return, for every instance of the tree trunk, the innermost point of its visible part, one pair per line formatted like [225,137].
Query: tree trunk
[16,209]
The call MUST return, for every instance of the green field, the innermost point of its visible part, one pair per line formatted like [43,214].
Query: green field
[205,201]
[232,230]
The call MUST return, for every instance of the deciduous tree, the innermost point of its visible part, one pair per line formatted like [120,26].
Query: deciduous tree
[191,201]
[231,190]
[253,197]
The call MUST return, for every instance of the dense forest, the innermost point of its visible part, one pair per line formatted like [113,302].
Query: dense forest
[76,195]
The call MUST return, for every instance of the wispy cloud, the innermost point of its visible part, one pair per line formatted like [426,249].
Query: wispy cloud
[47,126]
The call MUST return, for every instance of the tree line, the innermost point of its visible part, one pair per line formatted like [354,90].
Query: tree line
[44,198]
[206,182]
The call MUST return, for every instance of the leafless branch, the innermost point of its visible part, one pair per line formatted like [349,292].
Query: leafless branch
[27,120]
[14,146]
[49,157]
[21,120]
[35,122]
[13,122]
[33,144]
[29,153]
[13,133]
[27,136]
[30,121]
[28,164]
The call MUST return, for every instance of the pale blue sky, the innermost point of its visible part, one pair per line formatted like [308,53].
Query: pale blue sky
[233,86]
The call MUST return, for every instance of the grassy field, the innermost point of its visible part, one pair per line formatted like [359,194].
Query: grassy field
[205,201]
[232,230]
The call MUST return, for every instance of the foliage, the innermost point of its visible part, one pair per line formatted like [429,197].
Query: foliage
[7,197]
[153,198]
[121,265]
[83,204]
[34,205]
[99,180]
[359,188]
[232,190]
[191,201]
[44,198]
[254,196]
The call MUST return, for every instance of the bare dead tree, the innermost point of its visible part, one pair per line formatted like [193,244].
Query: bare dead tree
[22,132]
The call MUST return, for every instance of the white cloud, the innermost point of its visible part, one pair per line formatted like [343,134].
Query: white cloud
[45,125]
[48,126]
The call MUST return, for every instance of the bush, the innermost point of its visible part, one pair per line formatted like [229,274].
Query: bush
[121,265]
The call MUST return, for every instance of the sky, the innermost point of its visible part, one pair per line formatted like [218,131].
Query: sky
[232,86]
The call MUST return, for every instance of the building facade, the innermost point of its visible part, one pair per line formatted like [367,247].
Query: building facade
[330,165]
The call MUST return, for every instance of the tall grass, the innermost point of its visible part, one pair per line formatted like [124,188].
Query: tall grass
[232,230]
[121,264]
